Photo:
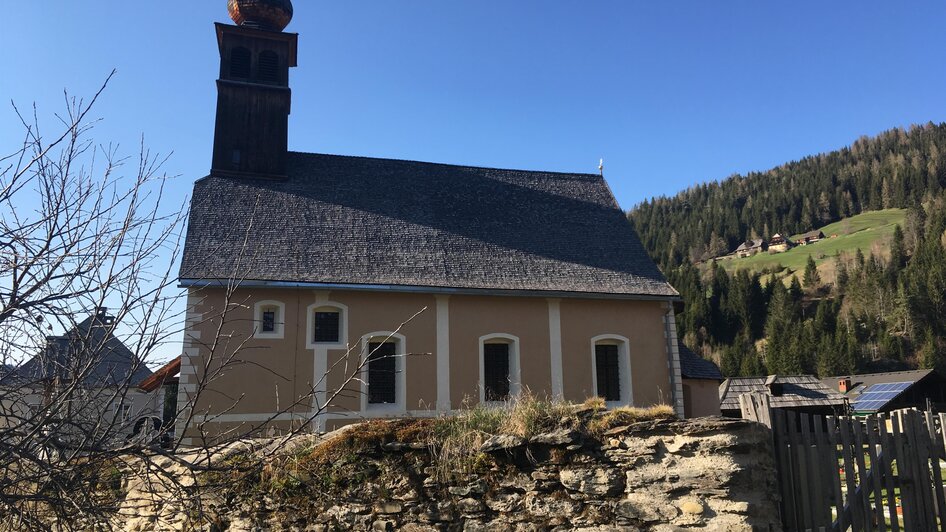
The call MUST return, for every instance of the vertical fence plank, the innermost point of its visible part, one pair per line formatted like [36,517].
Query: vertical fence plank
[853,504]
[907,502]
[931,440]
[811,472]
[799,452]
[876,471]
[939,443]
[786,471]
[834,438]
[824,455]
[864,485]
[918,472]
[888,453]
[923,468]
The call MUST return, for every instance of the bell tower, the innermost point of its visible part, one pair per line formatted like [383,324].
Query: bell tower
[253,96]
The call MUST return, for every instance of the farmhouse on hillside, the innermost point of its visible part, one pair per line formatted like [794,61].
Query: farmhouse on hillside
[810,237]
[310,265]
[751,247]
[779,243]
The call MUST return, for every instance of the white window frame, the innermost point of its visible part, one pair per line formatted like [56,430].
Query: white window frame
[624,367]
[515,374]
[342,310]
[400,376]
[279,324]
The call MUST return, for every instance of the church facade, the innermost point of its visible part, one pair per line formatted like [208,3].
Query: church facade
[326,289]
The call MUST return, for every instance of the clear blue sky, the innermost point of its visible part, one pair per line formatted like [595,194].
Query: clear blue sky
[668,93]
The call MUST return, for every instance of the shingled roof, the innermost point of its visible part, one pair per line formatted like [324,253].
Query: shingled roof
[693,366]
[88,349]
[342,220]
[798,391]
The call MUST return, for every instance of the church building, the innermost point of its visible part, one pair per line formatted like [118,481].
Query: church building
[326,289]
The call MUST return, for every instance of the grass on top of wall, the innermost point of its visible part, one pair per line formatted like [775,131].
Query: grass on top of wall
[354,456]
[455,441]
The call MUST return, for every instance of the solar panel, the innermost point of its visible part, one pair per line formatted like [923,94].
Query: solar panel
[877,396]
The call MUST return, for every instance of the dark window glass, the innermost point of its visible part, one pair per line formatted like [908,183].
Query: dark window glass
[608,372]
[268,67]
[240,63]
[496,371]
[382,370]
[269,321]
[327,326]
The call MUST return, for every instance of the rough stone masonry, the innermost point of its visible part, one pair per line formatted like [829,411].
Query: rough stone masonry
[709,474]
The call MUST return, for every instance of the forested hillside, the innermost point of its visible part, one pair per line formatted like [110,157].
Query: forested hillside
[881,310]
[897,168]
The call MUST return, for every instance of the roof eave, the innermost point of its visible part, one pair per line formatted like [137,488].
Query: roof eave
[222,283]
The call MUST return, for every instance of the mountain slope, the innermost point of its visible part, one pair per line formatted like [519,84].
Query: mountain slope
[876,305]
[898,168]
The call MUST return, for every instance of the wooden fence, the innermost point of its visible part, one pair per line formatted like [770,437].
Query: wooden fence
[838,473]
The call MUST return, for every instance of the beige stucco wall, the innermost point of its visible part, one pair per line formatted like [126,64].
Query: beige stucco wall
[700,397]
[641,322]
[472,317]
[251,378]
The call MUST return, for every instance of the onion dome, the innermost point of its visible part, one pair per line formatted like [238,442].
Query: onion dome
[270,15]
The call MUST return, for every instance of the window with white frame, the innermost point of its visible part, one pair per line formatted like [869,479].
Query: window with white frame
[611,369]
[269,319]
[382,373]
[326,325]
[499,368]
[384,381]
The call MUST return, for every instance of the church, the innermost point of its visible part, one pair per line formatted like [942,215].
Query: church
[326,289]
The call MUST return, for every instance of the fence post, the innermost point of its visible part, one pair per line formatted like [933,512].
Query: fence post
[756,407]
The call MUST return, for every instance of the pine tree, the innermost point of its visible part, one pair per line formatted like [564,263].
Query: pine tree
[930,356]
[812,277]
[898,250]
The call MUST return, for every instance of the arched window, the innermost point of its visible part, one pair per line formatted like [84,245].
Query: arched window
[499,368]
[384,382]
[240,63]
[268,319]
[327,325]
[268,67]
[611,369]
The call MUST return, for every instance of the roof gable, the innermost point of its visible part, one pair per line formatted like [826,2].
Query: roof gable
[89,348]
[361,221]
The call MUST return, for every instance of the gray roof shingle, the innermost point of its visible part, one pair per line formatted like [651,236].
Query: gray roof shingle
[362,221]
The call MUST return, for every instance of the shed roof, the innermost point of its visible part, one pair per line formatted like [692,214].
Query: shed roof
[693,366]
[797,391]
[369,222]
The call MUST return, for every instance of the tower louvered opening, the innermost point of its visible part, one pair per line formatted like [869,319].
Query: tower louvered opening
[268,67]
[240,63]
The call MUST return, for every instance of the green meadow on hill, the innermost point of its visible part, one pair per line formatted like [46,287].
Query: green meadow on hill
[865,231]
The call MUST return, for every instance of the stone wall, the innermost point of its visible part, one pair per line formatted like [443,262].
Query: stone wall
[706,474]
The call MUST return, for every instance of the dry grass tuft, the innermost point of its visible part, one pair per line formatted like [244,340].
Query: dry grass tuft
[618,417]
